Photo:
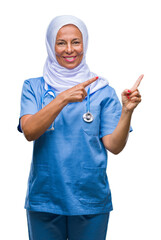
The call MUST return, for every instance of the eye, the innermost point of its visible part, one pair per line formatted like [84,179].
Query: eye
[61,43]
[76,42]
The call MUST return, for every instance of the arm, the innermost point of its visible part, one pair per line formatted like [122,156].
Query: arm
[33,126]
[116,141]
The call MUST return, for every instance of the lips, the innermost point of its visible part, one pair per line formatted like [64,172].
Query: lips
[70,59]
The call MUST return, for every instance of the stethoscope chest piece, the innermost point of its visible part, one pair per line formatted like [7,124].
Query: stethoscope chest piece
[88,117]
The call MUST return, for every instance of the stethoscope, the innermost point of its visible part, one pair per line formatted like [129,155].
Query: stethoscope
[48,93]
[87,117]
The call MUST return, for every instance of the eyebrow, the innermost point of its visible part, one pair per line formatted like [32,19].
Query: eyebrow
[72,39]
[76,39]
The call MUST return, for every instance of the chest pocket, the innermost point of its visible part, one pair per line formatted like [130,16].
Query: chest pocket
[92,128]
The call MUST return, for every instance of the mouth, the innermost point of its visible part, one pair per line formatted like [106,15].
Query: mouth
[70,59]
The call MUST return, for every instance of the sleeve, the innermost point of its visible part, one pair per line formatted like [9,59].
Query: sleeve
[28,102]
[110,114]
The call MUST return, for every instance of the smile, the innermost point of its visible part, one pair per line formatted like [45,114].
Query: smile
[70,59]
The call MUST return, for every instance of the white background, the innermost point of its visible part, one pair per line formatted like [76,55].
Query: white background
[124,42]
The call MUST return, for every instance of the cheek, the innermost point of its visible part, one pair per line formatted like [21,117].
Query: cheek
[80,51]
[58,51]
[58,54]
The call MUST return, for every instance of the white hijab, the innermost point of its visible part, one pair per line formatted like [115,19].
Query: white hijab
[59,77]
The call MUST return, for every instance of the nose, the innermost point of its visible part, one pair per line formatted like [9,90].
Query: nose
[69,48]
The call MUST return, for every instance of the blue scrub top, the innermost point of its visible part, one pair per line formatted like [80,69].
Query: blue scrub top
[68,168]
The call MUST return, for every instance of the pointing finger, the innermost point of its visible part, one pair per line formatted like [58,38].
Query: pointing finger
[86,83]
[137,83]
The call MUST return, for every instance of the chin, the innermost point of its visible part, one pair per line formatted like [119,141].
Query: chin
[71,66]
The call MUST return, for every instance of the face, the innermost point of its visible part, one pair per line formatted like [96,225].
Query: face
[69,46]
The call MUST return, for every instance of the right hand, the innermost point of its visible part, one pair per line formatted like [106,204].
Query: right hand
[78,92]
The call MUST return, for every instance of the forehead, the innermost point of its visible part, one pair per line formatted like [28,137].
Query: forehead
[69,31]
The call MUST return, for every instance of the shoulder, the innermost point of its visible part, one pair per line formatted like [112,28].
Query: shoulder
[107,89]
[108,96]
[34,82]
[106,93]
[34,85]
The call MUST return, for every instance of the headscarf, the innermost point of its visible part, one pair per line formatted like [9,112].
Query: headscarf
[59,77]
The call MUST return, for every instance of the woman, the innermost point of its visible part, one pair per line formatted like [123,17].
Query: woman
[73,116]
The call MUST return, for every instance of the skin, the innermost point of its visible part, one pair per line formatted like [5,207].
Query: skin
[116,141]
[33,126]
[69,43]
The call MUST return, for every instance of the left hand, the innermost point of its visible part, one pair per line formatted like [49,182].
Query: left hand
[131,98]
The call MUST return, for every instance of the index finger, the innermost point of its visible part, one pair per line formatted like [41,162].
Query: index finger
[137,83]
[86,83]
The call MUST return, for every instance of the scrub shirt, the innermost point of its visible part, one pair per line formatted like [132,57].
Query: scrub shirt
[68,168]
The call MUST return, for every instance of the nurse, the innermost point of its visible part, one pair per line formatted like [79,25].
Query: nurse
[72,116]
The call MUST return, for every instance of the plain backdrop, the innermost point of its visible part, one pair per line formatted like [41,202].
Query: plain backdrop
[124,42]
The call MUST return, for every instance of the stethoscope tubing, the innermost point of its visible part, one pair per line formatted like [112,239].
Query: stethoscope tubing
[87,117]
